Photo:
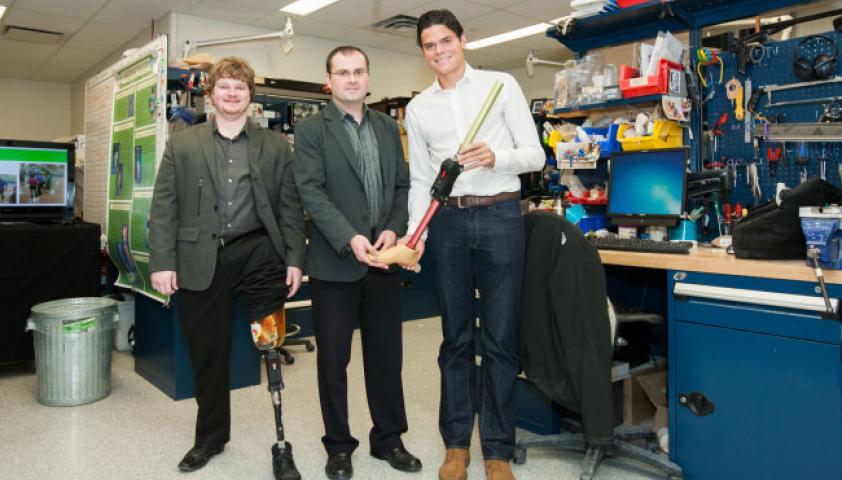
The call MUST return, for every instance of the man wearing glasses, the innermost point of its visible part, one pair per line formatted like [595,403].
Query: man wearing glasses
[350,172]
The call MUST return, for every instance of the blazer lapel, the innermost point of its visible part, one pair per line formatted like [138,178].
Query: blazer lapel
[334,125]
[384,149]
[206,141]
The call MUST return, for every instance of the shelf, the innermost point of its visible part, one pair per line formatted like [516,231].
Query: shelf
[801,132]
[645,20]
[566,111]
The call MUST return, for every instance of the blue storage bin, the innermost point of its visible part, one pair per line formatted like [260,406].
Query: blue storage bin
[592,224]
[609,146]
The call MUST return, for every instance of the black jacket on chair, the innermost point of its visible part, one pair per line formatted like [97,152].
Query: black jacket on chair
[565,339]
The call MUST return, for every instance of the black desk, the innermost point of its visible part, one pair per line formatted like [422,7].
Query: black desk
[41,262]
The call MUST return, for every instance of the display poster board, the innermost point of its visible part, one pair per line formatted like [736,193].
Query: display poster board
[138,137]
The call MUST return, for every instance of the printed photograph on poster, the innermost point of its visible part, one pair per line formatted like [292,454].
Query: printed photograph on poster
[130,101]
[117,169]
[138,167]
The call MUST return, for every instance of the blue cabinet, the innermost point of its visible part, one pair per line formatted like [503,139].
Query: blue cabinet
[755,388]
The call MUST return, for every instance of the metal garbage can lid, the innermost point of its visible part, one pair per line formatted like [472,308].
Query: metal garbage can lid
[72,307]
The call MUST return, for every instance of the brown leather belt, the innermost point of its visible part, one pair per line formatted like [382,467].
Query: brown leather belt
[473,201]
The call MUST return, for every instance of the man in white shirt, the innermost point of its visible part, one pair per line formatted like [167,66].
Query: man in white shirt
[476,240]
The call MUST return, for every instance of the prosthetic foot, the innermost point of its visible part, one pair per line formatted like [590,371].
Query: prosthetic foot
[268,335]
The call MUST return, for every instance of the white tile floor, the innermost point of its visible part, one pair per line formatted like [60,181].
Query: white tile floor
[139,433]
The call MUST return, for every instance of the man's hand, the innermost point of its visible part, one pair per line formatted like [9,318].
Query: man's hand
[362,248]
[386,240]
[165,282]
[294,276]
[419,247]
[476,155]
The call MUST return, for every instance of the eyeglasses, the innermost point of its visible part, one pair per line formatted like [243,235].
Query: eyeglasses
[345,74]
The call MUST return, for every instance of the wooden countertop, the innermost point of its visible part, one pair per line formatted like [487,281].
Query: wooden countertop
[715,260]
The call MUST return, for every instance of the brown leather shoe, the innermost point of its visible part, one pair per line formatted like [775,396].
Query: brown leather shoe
[455,466]
[498,470]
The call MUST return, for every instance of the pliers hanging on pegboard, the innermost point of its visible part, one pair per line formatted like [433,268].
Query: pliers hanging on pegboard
[772,155]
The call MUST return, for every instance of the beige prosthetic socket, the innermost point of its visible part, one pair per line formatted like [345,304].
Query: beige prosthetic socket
[268,333]
[400,254]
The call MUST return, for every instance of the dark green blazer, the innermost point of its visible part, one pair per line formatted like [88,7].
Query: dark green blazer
[183,222]
[330,184]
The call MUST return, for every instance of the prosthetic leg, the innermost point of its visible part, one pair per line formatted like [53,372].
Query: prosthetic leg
[268,334]
[406,255]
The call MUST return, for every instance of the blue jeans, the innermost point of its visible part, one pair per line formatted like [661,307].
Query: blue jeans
[478,248]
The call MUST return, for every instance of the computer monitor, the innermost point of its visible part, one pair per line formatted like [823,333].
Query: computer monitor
[647,187]
[36,180]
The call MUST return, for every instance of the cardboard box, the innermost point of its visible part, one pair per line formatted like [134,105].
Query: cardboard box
[655,386]
[636,406]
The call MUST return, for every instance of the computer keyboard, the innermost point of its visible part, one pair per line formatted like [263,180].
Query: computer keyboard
[640,245]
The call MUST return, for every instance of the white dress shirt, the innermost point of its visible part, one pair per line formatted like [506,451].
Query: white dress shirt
[437,121]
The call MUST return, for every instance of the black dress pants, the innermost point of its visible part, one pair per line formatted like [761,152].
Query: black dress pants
[374,303]
[250,268]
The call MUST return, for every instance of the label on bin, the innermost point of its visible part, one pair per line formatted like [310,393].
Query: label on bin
[78,326]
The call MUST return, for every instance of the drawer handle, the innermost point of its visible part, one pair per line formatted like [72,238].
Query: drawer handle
[683,290]
[697,403]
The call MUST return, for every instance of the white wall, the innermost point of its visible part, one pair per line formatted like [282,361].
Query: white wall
[392,74]
[34,110]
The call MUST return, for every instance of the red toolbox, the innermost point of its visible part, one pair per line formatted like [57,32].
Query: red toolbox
[668,80]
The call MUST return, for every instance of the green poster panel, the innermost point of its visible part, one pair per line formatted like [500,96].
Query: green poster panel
[119,246]
[121,164]
[144,161]
[145,105]
[124,107]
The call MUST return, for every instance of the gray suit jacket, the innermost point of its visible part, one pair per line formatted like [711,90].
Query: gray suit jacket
[330,184]
[183,222]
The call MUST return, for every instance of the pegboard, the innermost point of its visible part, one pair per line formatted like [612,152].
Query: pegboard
[775,68]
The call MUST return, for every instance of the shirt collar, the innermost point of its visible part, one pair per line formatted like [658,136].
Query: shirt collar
[468,76]
[246,132]
[347,116]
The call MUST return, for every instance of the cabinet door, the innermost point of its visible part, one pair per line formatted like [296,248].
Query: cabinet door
[773,380]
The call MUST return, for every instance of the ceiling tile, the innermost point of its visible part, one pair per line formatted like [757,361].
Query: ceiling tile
[363,13]
[371,38]
[17,70]
[494,23]
[304,25]
[75,59]
[12,51]
[22,17]
[104,37]
[76,9]
[462,10]
[61,75]
[541,10]
[131,13]
[228,11]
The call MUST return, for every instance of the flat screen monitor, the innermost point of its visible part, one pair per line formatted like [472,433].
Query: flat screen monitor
[647,187]
[36,180]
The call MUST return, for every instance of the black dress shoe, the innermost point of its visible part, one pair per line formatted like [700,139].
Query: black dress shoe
[282,464]
[400,459]
[198,457]
[339,467]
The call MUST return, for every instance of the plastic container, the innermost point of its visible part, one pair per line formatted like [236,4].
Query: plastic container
[630,3]
[665,134]
[124,330]
[592,224]
[73,340]
[610,144]
[654,85]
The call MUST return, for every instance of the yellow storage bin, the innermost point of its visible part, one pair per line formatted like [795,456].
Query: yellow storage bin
[665,134]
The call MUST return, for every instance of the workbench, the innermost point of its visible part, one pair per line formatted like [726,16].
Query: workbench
[755,365]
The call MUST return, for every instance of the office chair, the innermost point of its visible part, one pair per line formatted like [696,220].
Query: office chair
[294,329]
[571,237]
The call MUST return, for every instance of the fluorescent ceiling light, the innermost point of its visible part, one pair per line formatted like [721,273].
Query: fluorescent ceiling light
[306,7]
[513,35]
[2,11]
